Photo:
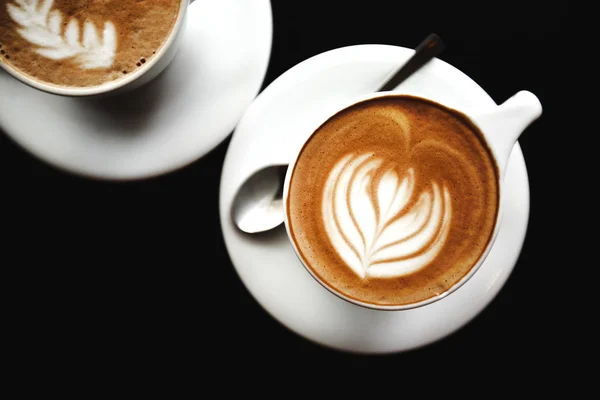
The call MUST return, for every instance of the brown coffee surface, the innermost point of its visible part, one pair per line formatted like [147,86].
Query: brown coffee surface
[141,27]
[422,143]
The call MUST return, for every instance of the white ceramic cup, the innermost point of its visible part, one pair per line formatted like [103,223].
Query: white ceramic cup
[501,126]
[135,79]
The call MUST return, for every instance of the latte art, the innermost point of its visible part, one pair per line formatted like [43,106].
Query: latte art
[393,200]
[42,26]
[372,223]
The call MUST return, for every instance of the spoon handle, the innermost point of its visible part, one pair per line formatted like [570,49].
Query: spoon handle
[428,49]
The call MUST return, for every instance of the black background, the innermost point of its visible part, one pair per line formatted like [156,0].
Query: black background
[137,273]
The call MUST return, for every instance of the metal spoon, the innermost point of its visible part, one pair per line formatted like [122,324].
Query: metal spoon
[258,204]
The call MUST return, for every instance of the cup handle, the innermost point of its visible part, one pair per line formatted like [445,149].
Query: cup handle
[504,124]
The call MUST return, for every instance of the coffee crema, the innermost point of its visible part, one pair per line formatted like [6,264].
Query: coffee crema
[393,200]
[81,43]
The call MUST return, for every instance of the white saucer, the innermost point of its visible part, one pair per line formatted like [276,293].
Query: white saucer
[267,265]
[177,118]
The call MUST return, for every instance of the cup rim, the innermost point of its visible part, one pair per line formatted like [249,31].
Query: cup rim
[108,86]
[392,307]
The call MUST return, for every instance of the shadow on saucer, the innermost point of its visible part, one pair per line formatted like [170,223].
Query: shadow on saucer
[126,114]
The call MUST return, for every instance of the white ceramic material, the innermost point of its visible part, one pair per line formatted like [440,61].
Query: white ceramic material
[166,124]
[500,124]
[271,130]
[133,80]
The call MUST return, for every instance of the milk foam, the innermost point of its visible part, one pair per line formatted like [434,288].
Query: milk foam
[42,27]
[373,224]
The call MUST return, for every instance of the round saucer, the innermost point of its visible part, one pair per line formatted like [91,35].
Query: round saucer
[268,133]
[177,118]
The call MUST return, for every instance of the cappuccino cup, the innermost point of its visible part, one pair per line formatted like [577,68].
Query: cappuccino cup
[82,48]
[394,201]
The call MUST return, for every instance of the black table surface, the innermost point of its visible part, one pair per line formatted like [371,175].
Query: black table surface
[99,270]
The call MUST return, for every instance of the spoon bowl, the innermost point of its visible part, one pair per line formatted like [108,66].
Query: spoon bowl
[258,205]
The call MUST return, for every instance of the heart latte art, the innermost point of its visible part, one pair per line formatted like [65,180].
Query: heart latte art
[393,200]
[81,43]
[371,225]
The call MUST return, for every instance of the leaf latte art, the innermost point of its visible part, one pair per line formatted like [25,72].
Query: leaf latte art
[393,200]
[41,26]
[372,223]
